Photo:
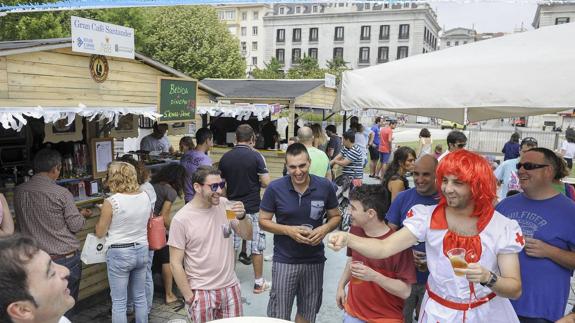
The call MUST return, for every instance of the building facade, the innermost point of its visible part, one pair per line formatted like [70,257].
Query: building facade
[457,36]
[549,14]
[362,34]
[245,22]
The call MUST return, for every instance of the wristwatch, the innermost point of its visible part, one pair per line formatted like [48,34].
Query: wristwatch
[491,281]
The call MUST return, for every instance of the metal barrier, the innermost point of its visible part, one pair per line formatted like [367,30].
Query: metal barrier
[491,141]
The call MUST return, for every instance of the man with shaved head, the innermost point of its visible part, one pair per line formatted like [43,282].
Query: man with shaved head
[424,192]
[319,161]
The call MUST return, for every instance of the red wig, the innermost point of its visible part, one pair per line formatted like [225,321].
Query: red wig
[475,171]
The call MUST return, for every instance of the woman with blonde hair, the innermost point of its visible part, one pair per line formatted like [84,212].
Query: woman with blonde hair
[319,137]
[123,220]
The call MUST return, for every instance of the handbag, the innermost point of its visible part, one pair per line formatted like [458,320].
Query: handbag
[94,250]
[156,232]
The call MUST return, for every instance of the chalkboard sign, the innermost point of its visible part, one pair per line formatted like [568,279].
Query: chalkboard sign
[177,99]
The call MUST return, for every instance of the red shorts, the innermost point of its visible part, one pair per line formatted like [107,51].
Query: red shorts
[209,305]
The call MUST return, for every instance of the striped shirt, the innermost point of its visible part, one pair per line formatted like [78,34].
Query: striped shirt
[46,211]
[356,156]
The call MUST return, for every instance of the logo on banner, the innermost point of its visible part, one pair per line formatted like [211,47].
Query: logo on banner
[99,68]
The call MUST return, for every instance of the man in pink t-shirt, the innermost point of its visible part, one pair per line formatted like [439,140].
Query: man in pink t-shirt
[202,253]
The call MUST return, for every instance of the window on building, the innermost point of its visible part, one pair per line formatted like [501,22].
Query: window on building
[365,32]
[367,6]
[562,20]
[382,54]
[295,55]
[298,9]
[227,15]
[464,42]
[403,31]
[312,52]
[282,10]
[313,34]
[280,55]
[402,52]
[255,30]
[338,52]
[364,55]
[244,46]
[244,16]
[256,15]
[338,34]
[254,61]
[280,35]
[457,43]
[448,44]
[296,36]
[384,32]
[314,9]
[254,45]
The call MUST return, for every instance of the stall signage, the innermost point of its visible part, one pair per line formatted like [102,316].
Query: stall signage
[330,81]
[96,37]
[177,99]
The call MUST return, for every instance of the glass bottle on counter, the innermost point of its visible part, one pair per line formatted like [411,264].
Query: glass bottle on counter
[82,190]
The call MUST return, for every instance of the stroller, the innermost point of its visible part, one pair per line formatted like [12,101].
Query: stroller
[344,185]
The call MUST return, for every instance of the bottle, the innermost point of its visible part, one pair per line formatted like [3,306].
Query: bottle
[82,190]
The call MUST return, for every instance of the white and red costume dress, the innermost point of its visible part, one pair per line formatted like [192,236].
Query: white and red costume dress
[452,298]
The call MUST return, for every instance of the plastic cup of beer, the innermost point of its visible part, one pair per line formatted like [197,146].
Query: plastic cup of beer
[457,259]
[355,280]
[230,214]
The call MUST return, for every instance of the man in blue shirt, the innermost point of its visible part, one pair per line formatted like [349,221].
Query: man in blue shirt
[547,221]
[424,192]
[298,200]
[374,148]
[506,173]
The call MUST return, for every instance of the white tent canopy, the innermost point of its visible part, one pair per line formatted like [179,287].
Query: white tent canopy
[522,74]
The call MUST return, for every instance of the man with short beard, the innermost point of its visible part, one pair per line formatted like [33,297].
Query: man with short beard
[548,222]
[471,249]
[34,289]
[202,252]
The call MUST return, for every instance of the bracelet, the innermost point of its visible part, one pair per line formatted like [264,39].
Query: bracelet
[243,217]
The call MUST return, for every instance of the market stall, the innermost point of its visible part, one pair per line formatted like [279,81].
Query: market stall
[81,105]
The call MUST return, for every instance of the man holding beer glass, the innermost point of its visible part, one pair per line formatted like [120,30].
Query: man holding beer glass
[464,218]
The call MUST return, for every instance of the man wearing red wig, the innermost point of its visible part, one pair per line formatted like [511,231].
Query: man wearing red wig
[471,249]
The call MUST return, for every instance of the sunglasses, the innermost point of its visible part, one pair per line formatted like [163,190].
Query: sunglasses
[214,187]
[530,140]
[461,145]
[530,166]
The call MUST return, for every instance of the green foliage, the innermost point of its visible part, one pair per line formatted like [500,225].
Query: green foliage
[336,67]
[272,71]
[307,68]
[192,40]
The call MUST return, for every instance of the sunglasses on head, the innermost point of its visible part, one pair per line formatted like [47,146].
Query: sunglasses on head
[214,187]
[530,140]
[530,166]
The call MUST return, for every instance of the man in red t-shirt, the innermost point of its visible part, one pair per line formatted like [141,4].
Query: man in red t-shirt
[378,287]
[385,139]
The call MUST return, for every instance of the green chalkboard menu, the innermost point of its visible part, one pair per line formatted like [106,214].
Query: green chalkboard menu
[177,99]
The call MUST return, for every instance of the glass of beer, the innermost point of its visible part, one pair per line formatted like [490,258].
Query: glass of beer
[355,280]
[230,214]
[457,259]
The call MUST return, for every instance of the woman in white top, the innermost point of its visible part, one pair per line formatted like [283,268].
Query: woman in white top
[124,217]
[425,143]
[568,147]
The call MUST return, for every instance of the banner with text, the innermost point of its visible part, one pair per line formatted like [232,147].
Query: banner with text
[100,38]
[177,99]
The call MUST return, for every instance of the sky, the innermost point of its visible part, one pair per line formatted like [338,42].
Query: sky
[485,16]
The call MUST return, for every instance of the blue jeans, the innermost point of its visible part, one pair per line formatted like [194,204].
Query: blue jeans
[127,269]
[75,266]
[149,285]
[350,319]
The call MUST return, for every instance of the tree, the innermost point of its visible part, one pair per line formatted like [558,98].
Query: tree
[307,68]
[272,71]
[192,40]
[336,67]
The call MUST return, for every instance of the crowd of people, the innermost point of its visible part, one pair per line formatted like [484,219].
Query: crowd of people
[454,248]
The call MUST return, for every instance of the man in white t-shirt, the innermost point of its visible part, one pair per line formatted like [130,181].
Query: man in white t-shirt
[202,252]
[34,288]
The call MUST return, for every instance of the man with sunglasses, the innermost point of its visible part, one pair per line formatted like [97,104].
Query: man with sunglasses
[455,140]
[506,173]
[299,202]
[202,252]
[547,221]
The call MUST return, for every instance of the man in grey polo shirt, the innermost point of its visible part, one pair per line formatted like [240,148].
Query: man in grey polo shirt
[297,271]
